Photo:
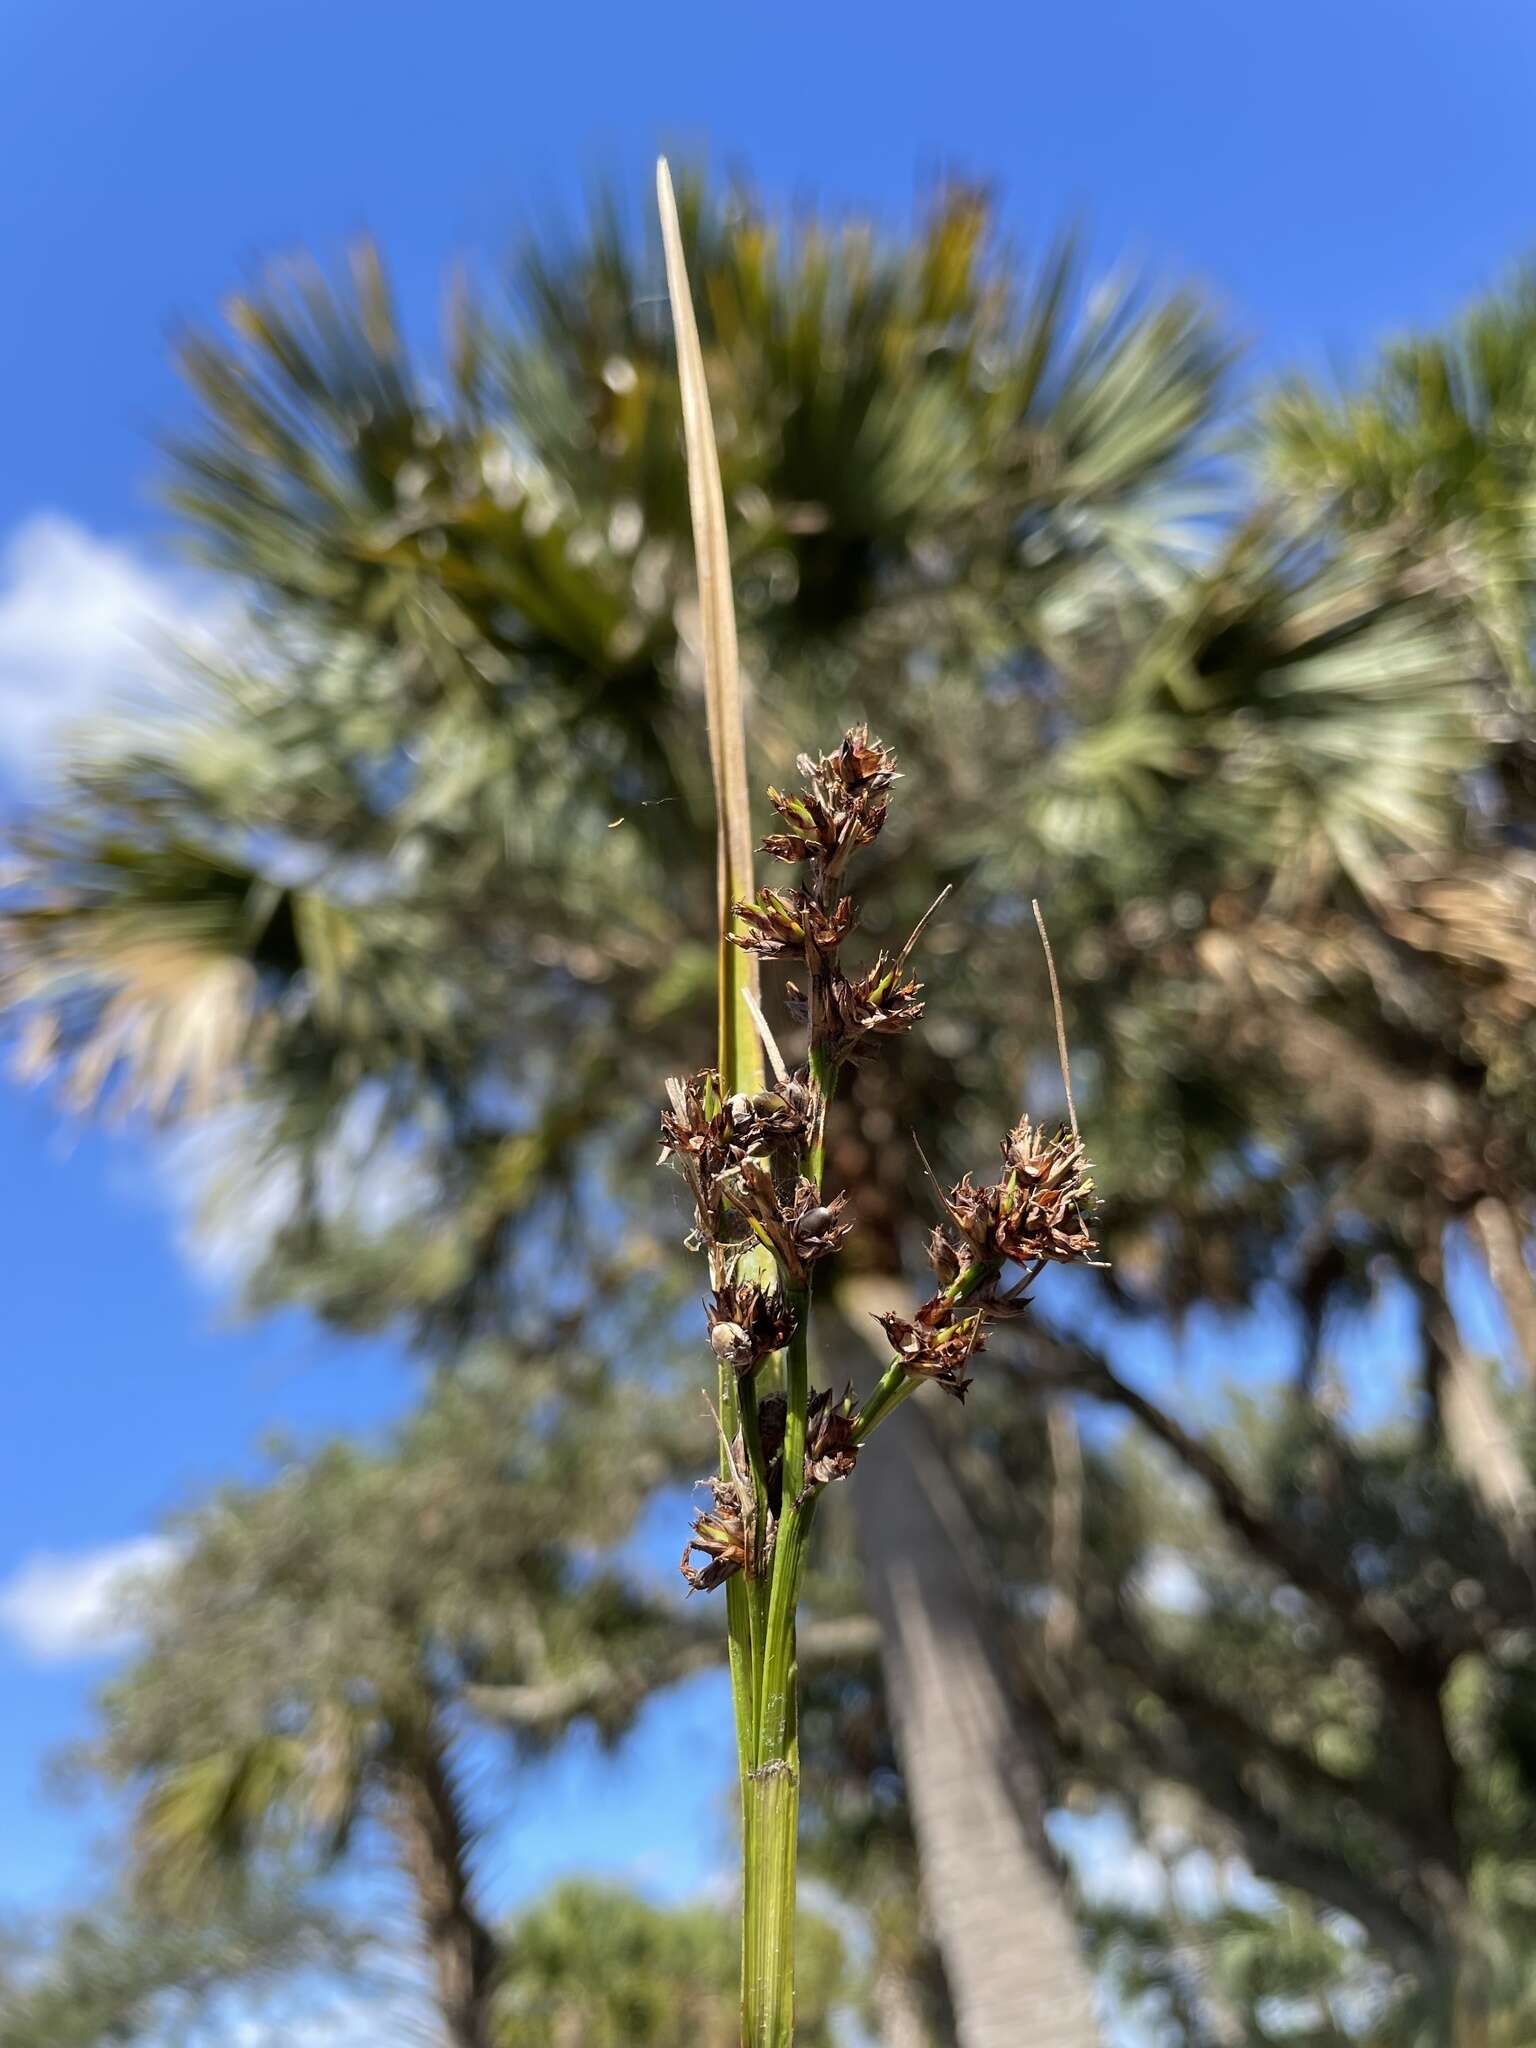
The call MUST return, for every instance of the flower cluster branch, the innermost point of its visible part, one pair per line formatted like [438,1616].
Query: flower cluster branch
[753,1166]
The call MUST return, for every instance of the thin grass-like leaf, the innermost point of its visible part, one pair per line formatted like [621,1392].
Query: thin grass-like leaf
[740,1055]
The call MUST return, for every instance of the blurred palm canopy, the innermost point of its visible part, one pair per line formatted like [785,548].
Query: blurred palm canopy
[409,893]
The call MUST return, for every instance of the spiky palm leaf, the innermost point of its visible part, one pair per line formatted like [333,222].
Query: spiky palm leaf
[1433,456]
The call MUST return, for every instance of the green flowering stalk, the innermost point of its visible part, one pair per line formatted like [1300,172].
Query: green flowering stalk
[753,1163]
[751,1151]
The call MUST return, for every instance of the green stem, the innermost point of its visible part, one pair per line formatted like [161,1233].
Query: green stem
[737,1604]
[773,1788]
[738,1408]
[824,1077]
[757,1585]
[738,1616]
[896,1383]
[774,1699]
[772,1811]
[893,1387]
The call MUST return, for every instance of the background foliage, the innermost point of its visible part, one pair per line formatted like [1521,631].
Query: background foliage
[411,893]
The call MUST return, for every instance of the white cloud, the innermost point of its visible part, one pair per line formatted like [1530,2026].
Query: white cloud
[59,1606]
[84,623]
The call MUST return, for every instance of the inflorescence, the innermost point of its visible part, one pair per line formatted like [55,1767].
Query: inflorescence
[751,1163]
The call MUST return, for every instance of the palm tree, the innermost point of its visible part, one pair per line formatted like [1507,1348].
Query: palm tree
[1429,457]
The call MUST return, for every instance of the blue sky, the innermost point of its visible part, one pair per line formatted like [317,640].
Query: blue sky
[1330,173]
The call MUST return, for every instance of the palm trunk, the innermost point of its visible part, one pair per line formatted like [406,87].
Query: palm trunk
[1483,1447]
[1480,1441]
[1499,1231]
[433,1836]
[1014,1964]
[898,2011]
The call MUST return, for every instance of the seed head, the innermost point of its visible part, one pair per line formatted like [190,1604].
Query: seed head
[691,1124]
[719,1535]
[855,772]
[787,924]
[696,1134]
[831,1442]
[841,807]
[798,1228]
[944,1257]
[782,1117]
[1047,1197]
[938,1343]
[881,1002]
[747,1325]
[1039,1209]
[817,1228]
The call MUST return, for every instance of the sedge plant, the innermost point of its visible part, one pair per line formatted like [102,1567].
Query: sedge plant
[750,1146]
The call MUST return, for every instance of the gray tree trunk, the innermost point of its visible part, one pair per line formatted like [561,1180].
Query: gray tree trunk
[1016,1970]
[899,2019]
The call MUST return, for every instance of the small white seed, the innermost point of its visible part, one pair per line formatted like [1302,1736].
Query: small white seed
[730,1342]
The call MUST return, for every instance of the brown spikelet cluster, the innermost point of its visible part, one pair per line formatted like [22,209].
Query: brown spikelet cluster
[748,1324]
[1041,1207]
[938,1343]
[831,1439]
[715,1139]
[774,1118]
[694,1135]
[880,1003]
[752,1163]
[793,1222]
[831,1442]
[788,924]
[1056,1198]
[720,1535]
[841,807]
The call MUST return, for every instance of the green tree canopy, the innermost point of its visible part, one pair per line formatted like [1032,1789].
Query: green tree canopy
[594,1966]
[308,1663]
[124,1974]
